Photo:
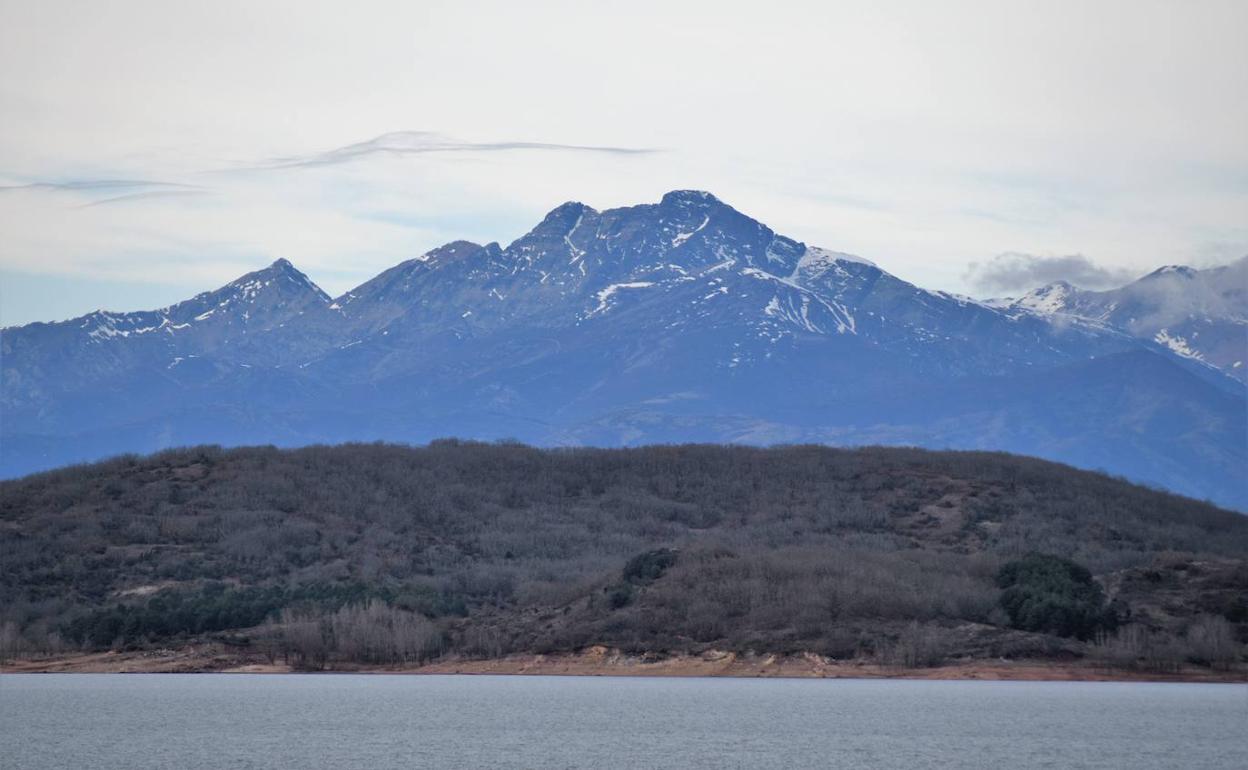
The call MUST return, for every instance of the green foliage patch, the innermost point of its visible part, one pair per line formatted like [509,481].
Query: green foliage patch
[1054,595]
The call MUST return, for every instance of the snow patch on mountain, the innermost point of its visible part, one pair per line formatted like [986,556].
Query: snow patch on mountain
[815,257]
[576,253]
[1177,344]
[605,295]
[1046,300]
[841,315]
[682,237]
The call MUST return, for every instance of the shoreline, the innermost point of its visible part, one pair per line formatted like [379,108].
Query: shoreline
[600,661]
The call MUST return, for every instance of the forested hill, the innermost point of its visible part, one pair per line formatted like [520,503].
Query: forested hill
[381,553]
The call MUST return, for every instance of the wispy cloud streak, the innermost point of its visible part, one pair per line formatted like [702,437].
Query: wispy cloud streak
[142,196]
[402,143]
[95,185]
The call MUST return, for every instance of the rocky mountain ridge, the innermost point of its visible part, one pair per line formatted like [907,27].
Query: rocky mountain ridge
[683,320]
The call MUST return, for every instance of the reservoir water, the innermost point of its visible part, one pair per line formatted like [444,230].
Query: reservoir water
[375,722]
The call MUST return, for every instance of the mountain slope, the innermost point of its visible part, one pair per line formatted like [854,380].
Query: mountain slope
[681,320]
[62,376]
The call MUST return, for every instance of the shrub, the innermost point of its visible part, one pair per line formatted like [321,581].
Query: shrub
[1053,595]
[619,595]
[1211,642]
[649,566]
[918,646]
[1135,647]
[367,632]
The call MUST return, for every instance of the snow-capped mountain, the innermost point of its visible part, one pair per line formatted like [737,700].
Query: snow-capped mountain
[1197,314]
[683,320]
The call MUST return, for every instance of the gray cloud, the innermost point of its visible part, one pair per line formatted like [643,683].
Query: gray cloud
[400,143]
[1013,272]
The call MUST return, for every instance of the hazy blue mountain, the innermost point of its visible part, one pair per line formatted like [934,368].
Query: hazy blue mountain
[1198,314]
[677,321]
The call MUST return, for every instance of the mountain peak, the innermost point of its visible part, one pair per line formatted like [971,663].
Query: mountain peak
[689,197]
[568,207]
[452,250]
[1183,271]
[281,274]
[1048,299]
[562,218]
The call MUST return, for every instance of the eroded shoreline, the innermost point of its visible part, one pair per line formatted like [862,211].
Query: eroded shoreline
[601,661]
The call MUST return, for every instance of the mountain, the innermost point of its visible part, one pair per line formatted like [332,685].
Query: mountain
[679,321]
[1198,314]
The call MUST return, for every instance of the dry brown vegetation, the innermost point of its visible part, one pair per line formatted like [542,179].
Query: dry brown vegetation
[393,555]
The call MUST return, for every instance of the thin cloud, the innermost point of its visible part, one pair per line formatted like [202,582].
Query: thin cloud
[402,143]
[141,196]
[95,185]
[1013,272]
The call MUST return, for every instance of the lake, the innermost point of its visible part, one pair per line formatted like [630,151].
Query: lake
[371,722]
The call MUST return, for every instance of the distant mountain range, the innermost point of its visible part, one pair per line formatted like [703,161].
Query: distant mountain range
[679,321]
[1197,314]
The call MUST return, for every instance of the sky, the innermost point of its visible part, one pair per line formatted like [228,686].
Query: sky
[152,150]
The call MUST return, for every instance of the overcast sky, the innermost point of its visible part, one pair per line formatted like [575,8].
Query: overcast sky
[150,150]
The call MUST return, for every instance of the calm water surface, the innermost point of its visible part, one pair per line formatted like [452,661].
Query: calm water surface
[376,722]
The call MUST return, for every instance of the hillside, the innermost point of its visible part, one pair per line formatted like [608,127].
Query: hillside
[376,554]
[679,321]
